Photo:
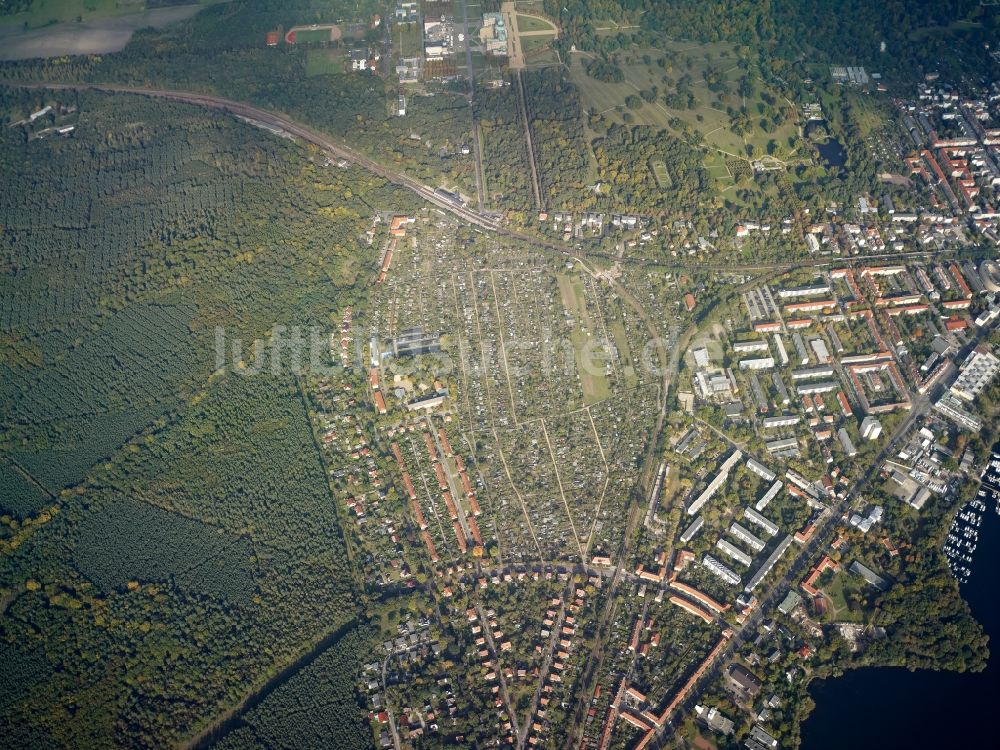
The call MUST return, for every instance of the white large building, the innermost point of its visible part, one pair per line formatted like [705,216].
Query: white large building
[760,470]
[717,482]
[773,491]
[871,428]
[804,291]
[734,552]
[750,346]
[746,536]
[761,363]
[769,526]
[780,346]
[977,373]
[721,570]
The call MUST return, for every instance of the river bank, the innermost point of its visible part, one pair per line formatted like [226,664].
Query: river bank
[880,707]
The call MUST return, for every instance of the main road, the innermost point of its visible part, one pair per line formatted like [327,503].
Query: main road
[489,223]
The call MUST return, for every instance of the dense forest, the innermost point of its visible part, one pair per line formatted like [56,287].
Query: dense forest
[918,37]
[316,707]
[554,114]
[221,50]
[624,157]
[505,154]
[159,515]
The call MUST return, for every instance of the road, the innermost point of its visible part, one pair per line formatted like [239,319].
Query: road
[921,406]
[476,145]
[388,708]
[526,121]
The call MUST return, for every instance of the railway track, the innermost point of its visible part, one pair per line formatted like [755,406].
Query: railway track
[486,222]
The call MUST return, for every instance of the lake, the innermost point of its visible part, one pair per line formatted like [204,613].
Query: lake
[832,152]
[878,708]
[88,38]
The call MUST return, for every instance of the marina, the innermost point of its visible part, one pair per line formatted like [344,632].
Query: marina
[963,536]
[936,696]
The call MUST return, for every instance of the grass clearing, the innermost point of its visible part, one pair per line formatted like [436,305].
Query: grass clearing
[534,23]
[409,38]
[694,65]
[836,595]
[530,44]
[660,173]
[628,366]
[324,62]
[45,12]
[590,360]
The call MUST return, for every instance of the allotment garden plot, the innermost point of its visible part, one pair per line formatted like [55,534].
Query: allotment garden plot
[540,407]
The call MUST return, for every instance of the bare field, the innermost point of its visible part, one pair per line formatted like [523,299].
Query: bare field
[87,38]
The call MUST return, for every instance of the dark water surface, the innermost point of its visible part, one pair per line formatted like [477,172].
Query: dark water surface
[880,708]
[832,152]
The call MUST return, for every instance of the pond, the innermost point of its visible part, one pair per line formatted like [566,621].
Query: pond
[832,152]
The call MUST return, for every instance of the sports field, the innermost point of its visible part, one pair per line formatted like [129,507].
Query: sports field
[324,62]
[314,33]
[660,174]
